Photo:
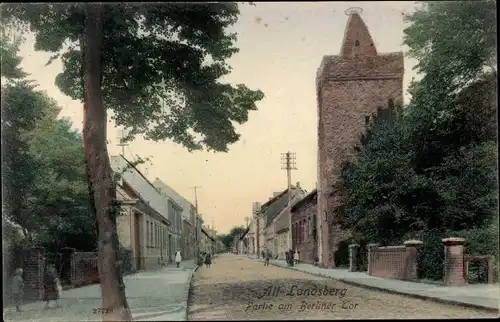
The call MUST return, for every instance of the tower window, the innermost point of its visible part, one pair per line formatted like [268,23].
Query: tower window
[356,43]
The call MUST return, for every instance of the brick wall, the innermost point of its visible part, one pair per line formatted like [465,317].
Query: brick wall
[397,262]
[388,262]
[305,212]
[349,88]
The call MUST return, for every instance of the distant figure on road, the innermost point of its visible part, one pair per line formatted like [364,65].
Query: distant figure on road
[296,257]
[268,256]
[178,258]
[290,257]
[18,288]
[208,260]
[51,286]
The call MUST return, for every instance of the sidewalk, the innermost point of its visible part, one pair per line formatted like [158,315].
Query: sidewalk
[156,295]
[483,296]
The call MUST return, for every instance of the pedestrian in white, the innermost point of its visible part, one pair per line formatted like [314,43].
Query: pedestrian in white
[178,258]
[296,257]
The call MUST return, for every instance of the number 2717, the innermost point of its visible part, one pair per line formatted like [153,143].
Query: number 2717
[101,310]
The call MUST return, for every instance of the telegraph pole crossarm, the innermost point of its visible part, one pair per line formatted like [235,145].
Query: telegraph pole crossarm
[122,143]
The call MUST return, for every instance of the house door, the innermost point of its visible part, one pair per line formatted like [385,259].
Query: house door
[137,241]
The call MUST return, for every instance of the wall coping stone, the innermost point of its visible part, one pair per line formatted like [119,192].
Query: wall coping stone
[413,243]
[391,247]
[453,241]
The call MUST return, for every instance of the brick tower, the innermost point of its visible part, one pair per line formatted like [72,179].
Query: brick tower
[349,87]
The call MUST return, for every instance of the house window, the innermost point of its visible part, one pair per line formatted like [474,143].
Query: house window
[306,230]
[302,231]
[152,232]
[147,232]
[296,234]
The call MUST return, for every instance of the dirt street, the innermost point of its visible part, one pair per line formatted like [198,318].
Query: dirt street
[238,288]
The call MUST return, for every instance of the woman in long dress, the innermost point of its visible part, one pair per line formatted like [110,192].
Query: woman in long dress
[208,260]
[51,286]
[178,258]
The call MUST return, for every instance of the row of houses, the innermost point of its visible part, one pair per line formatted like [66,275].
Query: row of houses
[156,221]
[268,229]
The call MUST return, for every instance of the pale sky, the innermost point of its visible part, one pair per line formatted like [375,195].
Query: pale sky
[281,47]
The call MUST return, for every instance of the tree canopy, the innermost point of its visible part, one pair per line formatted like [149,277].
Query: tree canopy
[43,177]
[162,66]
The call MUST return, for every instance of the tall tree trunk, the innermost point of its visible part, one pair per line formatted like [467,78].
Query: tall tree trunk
[114,301]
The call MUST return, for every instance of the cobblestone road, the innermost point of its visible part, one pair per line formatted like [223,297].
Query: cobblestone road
[238,288]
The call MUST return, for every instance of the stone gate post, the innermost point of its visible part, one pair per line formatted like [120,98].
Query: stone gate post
[371,250]
[353,256]
[454,261]
[412,259]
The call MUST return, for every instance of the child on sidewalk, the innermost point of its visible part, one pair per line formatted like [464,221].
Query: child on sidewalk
[18,288]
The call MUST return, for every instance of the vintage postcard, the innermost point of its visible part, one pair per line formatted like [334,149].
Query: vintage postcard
[176,161]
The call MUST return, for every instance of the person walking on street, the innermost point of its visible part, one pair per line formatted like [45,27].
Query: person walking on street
[178,257]
[296,257]
[268,255]
[208,260]
[18,288]
[51,286]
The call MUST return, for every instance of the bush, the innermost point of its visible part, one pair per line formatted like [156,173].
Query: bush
[431,255]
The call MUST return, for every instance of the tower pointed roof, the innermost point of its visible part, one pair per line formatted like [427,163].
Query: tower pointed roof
[357,38]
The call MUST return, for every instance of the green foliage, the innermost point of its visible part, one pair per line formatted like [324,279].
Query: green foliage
[162,65]
[453,41]
[236,233]
[227,240]
[9,47]
[44,183]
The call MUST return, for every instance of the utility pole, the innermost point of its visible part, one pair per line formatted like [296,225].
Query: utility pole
[122,143]
[196,197]
[213,235]
[197,223]
[257,217]
[247,219]
[289,163]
